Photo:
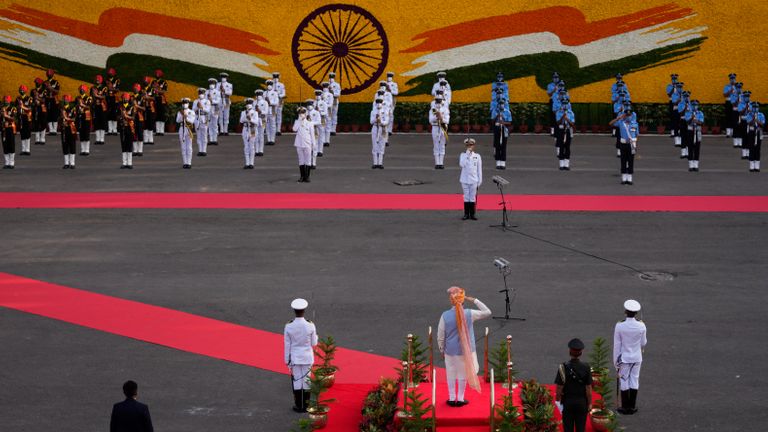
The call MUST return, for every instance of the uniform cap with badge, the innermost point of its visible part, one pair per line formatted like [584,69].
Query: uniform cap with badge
[632,306]
[299,304]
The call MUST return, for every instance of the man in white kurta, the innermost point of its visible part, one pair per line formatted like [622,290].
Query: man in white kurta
[449,344]
[299,337]
[628,341]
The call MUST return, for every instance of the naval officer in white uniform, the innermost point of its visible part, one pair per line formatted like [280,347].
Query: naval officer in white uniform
[300,338]
[628,342]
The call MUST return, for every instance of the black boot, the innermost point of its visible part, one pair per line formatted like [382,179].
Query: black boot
[632,401]
[306,399]
[308,170]
[301,174]
[466,211]
[298,402]
[624,408]
[472,208]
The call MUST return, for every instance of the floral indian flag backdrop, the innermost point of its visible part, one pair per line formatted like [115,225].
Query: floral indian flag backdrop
[588,42]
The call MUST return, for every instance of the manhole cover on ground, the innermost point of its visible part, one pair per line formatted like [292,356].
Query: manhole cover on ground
[411,182]
[653,276]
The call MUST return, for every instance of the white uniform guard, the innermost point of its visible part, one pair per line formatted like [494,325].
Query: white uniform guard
[336,91]
[185,119]
[300,336]
[202,108]
[438,116]
[322,129]
[225,89]
[214,97]
[471,177]
[379,122]
[273,100]
[305,137]
[250,120]
[262,107]
[280,89]
[629,338]
[393,88]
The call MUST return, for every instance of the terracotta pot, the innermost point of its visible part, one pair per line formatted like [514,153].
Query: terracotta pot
[537,128]
[405,127]
[419,128]
[365,127]
[715,130]
[643,130]
[345,128]
[455,128]
[239,128]
[355,128]
[660,130]
[600,421]
[486,128]
[595,128]
[171,127]
[523,128]
[318,416]
[583,129]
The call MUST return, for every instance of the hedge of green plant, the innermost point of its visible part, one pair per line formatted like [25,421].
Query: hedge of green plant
[472,116]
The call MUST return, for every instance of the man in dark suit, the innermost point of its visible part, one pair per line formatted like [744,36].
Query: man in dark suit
[130,415]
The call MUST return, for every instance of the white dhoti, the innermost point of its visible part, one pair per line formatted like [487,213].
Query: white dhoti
[456,374]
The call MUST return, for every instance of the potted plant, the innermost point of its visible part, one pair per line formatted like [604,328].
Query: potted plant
[417,415]
[601,416]
[380,406]
[419,364]
[506,416]
[538,408]
[318,407]
[498,362]
[326,352]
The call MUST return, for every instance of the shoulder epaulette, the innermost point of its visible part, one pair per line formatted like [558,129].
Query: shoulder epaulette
[309,321]
[290,321]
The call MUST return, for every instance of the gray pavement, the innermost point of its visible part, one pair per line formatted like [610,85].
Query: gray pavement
[373,277]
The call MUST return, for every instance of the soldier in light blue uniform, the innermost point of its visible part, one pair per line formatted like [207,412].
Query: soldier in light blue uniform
[685,133]
[618,109]
[619,77]
[727,91]
[756,122]
[501,117]
[551,93]
[499,84]
[733,115]
[566,121]
[628,130]
[674,115]
[694,119]
[670,91]
[743,106]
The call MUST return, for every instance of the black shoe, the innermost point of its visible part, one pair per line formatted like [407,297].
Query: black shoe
[250,166]
[215,143]
[472,209]
[278,133]
[390,133]
[25,153]
[225,134]
[451,403]
[386,144]
[245,166]
[695,170]
[65,167]
[498,167]
[333,133]
[326,144]
[199,153]
[623,182]
[376,166]
[312,167]
[560,168]
[203,154]
[38,143]
[270,143]
[566,168]
[462,403]
[149,143]
[744,157]
[129,166]
[302,174]
[630,183]
[71,167]
[320,154]
[160,133]
[123,166]
[140,154]
[99,143]
[690,169]
[381,166]
[437,166]
[441,167]
[259,154]
[6,167]
[11,166]
[85,154]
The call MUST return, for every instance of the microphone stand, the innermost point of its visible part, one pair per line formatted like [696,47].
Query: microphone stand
[504,225]
[507,303]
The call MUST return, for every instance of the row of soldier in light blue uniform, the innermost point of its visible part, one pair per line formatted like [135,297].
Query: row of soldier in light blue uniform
[686,121]
[501,118]
[563,120]
[745,122]
[625,128]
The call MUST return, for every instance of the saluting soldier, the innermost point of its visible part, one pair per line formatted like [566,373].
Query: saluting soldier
[262,107]
[564,133]
[627,144]
[694,118]
[573,395]
[214,97]
[24,105]
[225,89]
[379,121]
[52,88]
[303,142]
[727,91]
[552,89]
[185,118]
[127,129]
[300,338]
[140,111]
[159,89]
[756,122]
[501,117]
[502,85]
[629,338]
[314,117]
[8,113]
[40,112]
[202,109]
[335,90]
[274,101]
[329,100]
[674,119]
[69,131]
[280,89]
[394,90]
[471,178]
[250,120]
[99,96]
[441,83]
[439,118]
[685,130]
[83,104]
[113,101]
[733,115]
[743,106]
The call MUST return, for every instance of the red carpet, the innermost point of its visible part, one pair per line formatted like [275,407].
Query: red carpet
[174,329]
[325,201]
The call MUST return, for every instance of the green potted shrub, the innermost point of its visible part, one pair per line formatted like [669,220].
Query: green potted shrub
[380,406]
[601,416]
[498,362]
[538,408]
[326,353]
[417,416]
[419,363]
[318,407]
[507,417]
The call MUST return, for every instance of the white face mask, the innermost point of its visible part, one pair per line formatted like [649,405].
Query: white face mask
[269,87]
[311,107]
[248,107]
[212,86]
[223,80]
[259,97]
[201,96]
[332,79]
[378,106]
[185,105]
[275,79]
[389,79]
